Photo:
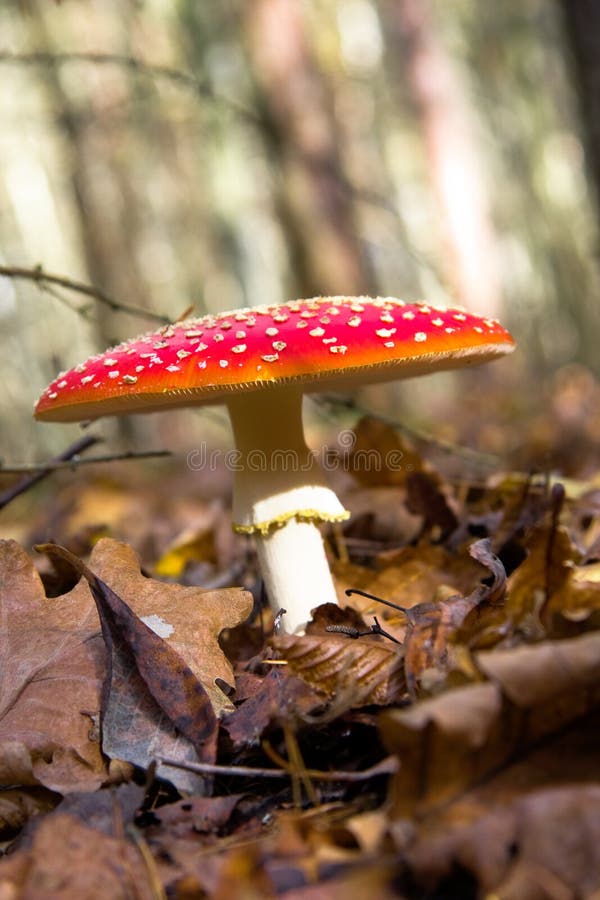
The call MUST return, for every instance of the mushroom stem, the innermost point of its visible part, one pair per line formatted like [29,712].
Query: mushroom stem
[279,496]
[295,572]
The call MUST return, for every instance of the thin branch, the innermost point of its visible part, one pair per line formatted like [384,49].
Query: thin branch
[74,450]
[387,766]
[42,278]
[165,73]
[76,462]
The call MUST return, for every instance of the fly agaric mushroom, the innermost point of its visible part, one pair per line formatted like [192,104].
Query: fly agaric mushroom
[259,361]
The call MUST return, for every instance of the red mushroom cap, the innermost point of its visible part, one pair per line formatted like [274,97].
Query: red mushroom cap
[324,343]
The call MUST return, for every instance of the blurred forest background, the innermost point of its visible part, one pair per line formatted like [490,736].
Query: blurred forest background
[227,153]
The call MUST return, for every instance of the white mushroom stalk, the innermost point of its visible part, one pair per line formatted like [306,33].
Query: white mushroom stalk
[280,497]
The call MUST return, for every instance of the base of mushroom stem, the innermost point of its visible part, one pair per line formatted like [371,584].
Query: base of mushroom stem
[295,571]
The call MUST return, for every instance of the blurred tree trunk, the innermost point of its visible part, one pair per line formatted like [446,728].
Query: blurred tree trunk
[435,92]
[582,26]
[314,200]
[108,230]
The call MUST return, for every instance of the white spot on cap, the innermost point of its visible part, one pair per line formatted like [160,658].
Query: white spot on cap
[140,368]
[130,379]
[460,317]
[354,322]
[181,354]
[218,338]
[86,379]
[301,324]
[437,322]
[200,348]
[173,368]
[202,364]
[62,384]
[408,315]
[270,357]
[239,348]
[271,332]
[478,329]
[385,332]
[449,330]
[279,345]
[223,363]
[53,395]
[114,373]
[317,332]
[339,348]
[110,362]
[240,335]
[389,344]
[386,317]
[420,336]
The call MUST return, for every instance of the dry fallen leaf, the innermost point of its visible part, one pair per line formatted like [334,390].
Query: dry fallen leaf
[153,705]
[487,832]
[450,742]
[51,657]
[355,672]
[71,861]
[190,619]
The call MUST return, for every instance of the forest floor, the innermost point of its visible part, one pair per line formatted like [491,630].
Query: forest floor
[157,739]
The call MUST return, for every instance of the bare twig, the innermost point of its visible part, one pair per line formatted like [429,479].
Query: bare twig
[76,462]
[26,483]
[42,278]
[165,73]
[387,766]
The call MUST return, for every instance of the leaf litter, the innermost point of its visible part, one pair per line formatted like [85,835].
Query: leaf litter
[157,739]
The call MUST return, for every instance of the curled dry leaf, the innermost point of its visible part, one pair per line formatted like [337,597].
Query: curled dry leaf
[277,697]
[453,741]
[551,587]
[356,672]
[433,627]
